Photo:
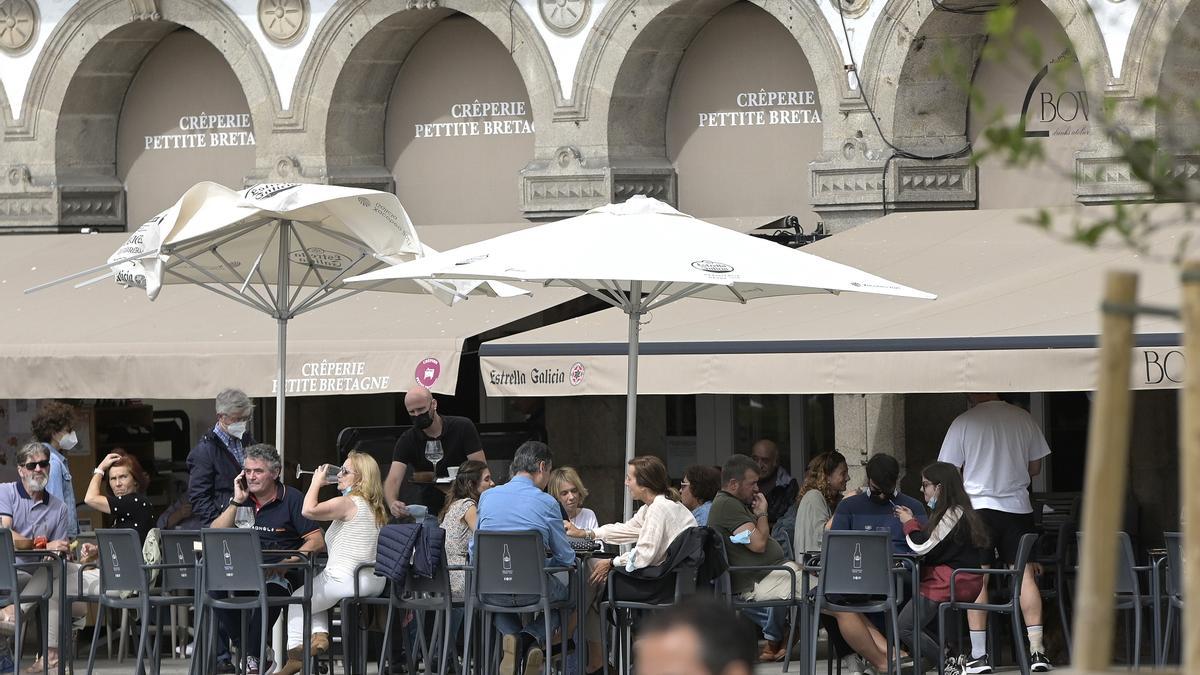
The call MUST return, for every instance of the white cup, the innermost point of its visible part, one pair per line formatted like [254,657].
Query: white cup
[453,471]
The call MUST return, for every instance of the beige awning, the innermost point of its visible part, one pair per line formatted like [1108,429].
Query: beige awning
[102,341]
[1017,310]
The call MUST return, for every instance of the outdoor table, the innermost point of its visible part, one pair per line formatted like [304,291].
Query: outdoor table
[58,566]
[198,665]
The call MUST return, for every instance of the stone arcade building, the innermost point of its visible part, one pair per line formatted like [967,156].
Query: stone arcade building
[486,111]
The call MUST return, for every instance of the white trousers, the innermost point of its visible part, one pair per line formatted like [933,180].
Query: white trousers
[327,591]
[42,578]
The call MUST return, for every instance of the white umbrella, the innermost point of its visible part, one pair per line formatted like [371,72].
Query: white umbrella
[640,255]
[281,248]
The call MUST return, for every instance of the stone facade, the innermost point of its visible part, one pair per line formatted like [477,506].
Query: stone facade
[597,97]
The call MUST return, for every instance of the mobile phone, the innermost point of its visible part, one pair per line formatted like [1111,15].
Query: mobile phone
[241,481]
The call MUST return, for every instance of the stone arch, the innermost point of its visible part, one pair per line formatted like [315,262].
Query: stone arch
[78,86]
[1168,67]
[342,89]
[6,118]
[918,107]
[631,57]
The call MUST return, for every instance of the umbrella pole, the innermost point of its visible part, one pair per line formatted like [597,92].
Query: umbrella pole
[282,298]
[635,317]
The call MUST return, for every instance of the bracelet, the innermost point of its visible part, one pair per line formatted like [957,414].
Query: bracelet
[238,504]
[98,471]
[759,515]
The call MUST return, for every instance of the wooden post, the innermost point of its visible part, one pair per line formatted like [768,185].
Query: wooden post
[1104,490]
[1189,465]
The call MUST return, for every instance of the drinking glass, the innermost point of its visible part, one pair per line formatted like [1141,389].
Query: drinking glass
[244,517]
[331,473]
[434,453]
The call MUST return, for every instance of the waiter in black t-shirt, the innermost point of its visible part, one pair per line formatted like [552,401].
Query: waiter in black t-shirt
[460,442]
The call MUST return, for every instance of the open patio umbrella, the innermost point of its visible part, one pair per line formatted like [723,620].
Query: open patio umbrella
[281,248]
[640,255]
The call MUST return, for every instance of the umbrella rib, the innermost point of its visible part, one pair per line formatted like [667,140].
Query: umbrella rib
[186,260]
[300,287]
[658,290]
[223,237]
[593,292]
[259,257]
[228,295]
[350,240]
[741,298]
[327,287]
[620,296]
[232,270]
[687,292]
[92,270]
[311,265]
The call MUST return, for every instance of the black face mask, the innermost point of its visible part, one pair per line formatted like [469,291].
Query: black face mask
[424,420]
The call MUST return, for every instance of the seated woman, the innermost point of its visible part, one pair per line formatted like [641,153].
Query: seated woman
[357,515]
[699,486]
[567,487]
[127,504]
[651,530]
[952,540]
[460,516]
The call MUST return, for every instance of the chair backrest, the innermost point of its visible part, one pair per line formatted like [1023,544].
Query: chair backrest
[856,563]
[8,563]
[179,548]
[1126,581]
[232,559]
[121,561]
[508,562]
[438,583]
[1174,564]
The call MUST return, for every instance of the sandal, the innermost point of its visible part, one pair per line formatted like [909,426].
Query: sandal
[38,668]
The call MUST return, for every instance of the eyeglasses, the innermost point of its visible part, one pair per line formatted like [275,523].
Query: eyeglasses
[30,466]
[684,484]
[343,471]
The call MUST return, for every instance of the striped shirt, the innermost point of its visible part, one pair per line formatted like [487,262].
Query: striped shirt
[351,542]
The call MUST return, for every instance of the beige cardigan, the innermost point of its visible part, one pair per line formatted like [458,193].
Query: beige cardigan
[653,528]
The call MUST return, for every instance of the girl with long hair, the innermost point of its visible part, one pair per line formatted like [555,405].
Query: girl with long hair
[951,540]
[357,514]
[824,482]
[460,515]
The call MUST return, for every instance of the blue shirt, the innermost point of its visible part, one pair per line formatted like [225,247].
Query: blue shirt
[234,444]
[860,512]
[60,486]
[700,513]
[31,517]
[520,505]
[280,522]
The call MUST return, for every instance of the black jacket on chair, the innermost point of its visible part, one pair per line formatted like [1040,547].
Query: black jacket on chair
[695,549]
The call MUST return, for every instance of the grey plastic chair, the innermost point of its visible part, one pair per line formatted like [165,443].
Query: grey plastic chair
[421,595]
[179,549]
[122,570]
[10,593]
[857,575]
[232,563]
[792,602]
[515,565]
[1129,595]
[1015,577]
[1174,590]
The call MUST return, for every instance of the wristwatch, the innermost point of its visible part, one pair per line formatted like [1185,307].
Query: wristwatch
[98,471]
[234,503]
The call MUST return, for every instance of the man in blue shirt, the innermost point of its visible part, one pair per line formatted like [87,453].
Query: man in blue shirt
[523,504]
[875,509]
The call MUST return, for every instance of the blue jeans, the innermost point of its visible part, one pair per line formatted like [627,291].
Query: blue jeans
[770,619]
[509,624]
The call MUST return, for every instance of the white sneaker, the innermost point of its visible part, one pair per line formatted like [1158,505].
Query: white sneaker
[186,650]
[853,665]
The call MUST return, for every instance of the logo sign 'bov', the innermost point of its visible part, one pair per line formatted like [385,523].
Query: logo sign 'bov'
[321,258]
[712,266]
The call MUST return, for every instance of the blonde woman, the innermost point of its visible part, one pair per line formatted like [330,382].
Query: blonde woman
[356,515]
[567,487]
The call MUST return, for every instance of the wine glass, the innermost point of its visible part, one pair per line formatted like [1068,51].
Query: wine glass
[434,453]
[244,517]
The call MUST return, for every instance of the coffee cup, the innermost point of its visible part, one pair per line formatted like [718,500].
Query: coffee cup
[452,471]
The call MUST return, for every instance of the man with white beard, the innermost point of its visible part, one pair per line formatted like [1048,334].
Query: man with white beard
[31,512]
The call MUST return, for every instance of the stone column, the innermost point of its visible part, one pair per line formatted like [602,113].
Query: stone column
[865,426]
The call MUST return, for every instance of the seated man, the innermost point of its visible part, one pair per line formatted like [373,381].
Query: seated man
[875,510]
[739,514]
[281,527]
[522,504]
[30,511]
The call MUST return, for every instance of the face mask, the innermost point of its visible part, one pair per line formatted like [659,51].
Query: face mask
[346,491]
[742,537]
[932,502]
[68,441]
[424,420]
[237,429]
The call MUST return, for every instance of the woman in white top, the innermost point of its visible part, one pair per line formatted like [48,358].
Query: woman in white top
[651,531]
[356,515]
[567,487]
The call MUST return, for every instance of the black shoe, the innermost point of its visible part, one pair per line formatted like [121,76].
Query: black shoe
[1039,663]
[977,666]
[225,668]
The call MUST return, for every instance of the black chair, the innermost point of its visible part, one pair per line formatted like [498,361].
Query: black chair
[1014,577]
[421,595]
[1130,597]
[181,579]
[10,593]
[1056,520]
[231,564]
[792,602]
[515,565]
[857,575]
[356,623]
[1174,590]
[123,570]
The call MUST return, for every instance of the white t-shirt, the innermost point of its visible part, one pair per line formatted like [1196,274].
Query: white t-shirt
[586,520]
[994,442]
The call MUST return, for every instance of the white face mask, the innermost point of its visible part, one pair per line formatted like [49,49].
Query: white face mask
[68,441]
[237,429]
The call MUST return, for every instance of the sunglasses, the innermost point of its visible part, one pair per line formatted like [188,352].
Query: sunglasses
[30,466]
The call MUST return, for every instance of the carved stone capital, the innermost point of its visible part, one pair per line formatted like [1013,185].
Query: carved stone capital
[145,10]
[847,193]
[27,211]
[91,201]
[945,184]
[1104,179]
[569,184]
